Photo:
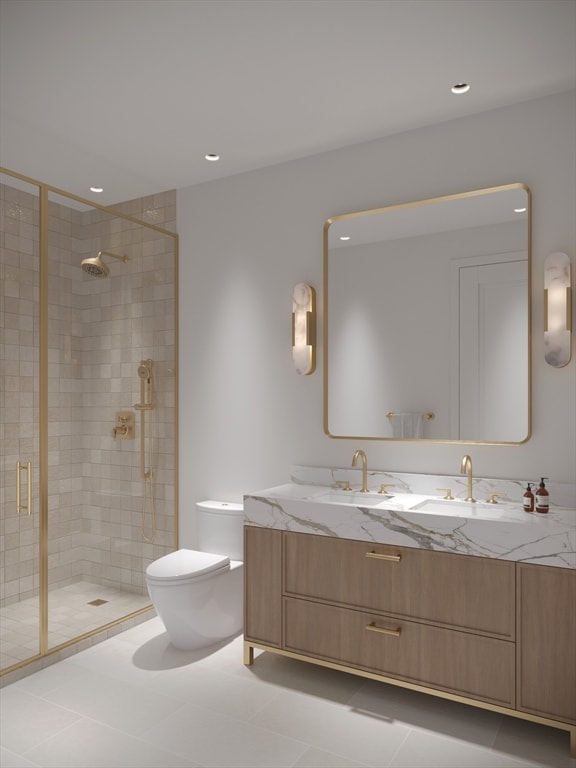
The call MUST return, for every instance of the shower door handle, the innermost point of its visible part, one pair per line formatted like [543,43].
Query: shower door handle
[28,506]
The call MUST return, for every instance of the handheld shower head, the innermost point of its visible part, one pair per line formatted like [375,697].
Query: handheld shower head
[145,376]
[145,369]
[95,266]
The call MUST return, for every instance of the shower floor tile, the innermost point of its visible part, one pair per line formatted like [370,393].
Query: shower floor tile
[69,615]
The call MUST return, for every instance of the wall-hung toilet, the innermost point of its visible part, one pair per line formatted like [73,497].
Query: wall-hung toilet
[199,594]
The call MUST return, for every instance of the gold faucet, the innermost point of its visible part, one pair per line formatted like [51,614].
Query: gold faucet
[466,469]
[360,454]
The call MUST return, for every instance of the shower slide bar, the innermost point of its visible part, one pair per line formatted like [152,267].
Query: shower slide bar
[145,404]
[146,442]
[19,506]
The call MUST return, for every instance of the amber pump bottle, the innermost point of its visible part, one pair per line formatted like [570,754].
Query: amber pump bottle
[528,499]
[542,497]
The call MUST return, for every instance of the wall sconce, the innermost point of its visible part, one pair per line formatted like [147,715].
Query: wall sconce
[304,328]
[557,310]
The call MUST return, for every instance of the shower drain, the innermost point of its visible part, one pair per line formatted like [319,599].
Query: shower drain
[98,601]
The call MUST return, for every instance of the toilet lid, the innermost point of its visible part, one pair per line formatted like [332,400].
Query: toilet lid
[186,562]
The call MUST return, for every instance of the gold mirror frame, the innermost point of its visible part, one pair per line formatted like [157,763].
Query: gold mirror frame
[484,210]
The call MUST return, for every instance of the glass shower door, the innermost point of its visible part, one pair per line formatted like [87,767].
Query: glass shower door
[19,423]
[87,414]
[111,392]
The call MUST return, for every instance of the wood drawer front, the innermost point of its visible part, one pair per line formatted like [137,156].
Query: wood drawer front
[547,641]
[471,593]
[461,663]
[263,585]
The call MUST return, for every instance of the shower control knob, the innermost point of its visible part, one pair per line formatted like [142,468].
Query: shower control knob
[124,427]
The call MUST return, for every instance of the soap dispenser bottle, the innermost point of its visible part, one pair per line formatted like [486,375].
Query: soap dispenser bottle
[542,497]
[528,499]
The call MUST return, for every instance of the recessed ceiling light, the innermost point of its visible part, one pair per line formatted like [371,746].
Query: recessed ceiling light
[460,88]
[345,237]
[212,158]
[519,210]
[96,189]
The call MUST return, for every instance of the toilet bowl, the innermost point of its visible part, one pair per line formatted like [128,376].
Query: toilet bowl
[198,594]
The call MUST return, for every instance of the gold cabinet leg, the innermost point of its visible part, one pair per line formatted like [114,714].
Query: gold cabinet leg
[573,742]
[248,654]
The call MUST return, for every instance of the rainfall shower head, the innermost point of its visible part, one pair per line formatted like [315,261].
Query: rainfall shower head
[96,267]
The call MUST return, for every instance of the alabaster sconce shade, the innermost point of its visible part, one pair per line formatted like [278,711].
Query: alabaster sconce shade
[304,328]
[557,310]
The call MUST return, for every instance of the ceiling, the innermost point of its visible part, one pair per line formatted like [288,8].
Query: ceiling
[132,94]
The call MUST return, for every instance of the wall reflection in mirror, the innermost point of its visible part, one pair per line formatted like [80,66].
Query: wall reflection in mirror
[427,319]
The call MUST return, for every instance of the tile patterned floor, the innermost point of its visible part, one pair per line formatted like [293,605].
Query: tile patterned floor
[133,700]
[70,615]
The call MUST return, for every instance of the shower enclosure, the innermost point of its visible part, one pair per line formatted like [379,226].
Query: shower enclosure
[88,414]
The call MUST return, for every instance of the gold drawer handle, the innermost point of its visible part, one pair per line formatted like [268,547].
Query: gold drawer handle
[391,558]
[373,628]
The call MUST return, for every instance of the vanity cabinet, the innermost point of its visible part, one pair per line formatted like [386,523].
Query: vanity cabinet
[457,662]
[495,633]
[426,617]
[547,641]
[474,594]
[263,585]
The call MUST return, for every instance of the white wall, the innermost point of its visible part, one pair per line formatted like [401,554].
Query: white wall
[245,415]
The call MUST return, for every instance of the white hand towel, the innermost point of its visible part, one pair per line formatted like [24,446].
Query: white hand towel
[407,425]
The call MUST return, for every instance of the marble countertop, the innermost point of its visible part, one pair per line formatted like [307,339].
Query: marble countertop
[502,531]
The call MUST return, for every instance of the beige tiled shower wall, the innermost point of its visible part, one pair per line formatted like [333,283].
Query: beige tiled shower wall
[99,331]
[19,243]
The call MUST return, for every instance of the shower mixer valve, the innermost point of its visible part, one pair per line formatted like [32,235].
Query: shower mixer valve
[124,426]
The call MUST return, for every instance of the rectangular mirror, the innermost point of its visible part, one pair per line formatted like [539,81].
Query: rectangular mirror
[427,319]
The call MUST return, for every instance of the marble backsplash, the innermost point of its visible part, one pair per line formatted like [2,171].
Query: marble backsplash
[561,494]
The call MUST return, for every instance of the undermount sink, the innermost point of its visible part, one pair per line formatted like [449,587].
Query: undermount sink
[469,509]
[419,503]
[353,498]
